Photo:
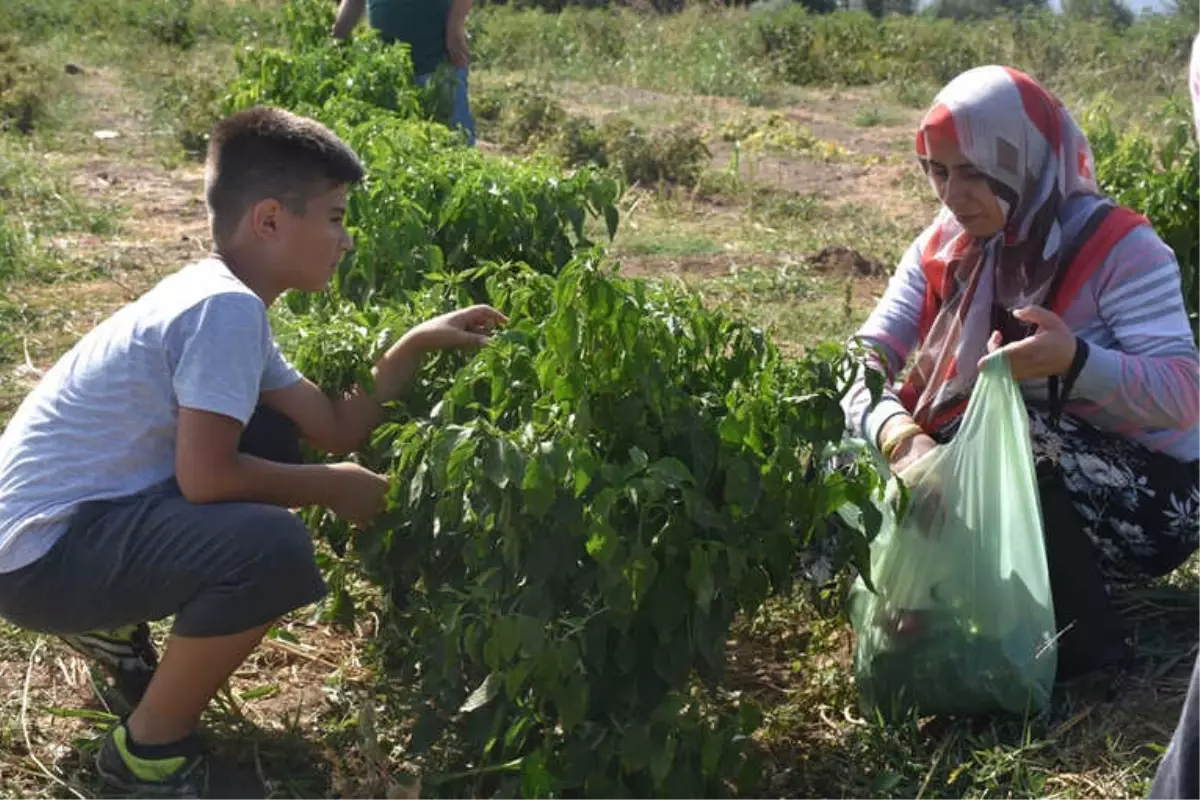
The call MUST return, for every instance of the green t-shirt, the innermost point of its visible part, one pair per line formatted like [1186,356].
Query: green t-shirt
[420,23]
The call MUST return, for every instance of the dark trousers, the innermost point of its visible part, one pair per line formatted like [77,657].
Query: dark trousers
[272,436]
[1092,634]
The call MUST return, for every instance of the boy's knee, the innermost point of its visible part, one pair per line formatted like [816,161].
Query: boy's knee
[272,570]
[281,544]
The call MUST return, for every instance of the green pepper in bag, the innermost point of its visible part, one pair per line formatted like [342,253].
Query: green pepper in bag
[961,620]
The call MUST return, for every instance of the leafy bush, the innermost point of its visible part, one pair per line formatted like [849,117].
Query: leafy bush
[580,142]
[432,206]
[1160,177]
[191,103]
[577,516]
[518,114]
[24,86]
[525,117]
[363,71]
[579,510]
[675,154]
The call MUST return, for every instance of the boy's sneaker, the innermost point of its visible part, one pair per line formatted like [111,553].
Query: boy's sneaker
[181,772]
[126,653]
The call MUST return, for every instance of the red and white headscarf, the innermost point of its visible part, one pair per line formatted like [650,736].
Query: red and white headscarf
[1035,157]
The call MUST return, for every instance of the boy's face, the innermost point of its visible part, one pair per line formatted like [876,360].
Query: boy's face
[314,242]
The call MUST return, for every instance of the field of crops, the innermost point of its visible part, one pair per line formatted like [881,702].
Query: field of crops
[587,581]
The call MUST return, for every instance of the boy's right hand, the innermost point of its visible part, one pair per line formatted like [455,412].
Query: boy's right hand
[467,327]
[358,493]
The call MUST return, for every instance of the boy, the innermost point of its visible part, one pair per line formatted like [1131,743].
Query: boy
[436,33]
[123,494]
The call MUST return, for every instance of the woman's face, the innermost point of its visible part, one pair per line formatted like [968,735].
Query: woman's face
[963,189]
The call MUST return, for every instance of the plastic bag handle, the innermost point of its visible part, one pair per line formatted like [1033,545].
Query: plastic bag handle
[1058,399]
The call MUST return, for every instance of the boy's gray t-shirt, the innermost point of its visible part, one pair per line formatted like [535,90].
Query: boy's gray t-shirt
[102,422]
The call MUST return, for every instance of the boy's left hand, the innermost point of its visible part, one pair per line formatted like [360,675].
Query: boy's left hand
[465,328]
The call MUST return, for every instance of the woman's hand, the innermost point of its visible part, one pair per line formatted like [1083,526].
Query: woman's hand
[1049,351]
[910,451]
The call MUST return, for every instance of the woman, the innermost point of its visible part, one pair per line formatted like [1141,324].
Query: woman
[1085,299]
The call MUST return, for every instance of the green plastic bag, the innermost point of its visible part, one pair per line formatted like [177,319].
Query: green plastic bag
[961,620]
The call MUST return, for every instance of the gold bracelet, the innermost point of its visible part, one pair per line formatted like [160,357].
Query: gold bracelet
[904,433]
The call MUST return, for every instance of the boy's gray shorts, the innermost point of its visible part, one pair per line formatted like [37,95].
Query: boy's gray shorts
[220,568]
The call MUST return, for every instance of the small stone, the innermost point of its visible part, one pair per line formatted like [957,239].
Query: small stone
[73,69]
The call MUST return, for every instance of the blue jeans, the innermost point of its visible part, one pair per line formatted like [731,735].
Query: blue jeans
[460,117]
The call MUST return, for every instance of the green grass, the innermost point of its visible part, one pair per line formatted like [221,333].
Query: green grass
[873,115]
[753,55]
[666,244]
[796,306]
[179,24]
[38,208]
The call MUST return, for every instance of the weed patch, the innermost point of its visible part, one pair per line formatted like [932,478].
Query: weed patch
[25,83]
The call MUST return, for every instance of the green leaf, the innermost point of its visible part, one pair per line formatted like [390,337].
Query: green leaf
[416,487]
[672,472]
[538,486]
[749,717]
[599,548]
[515,736]
[749,775]
[635,748]
[733,429]
[662,759]
[711,752]
[515,677]
[427,730]
[536,780]
[508,637]
[700,577]
[742,487]
[532,633]
[460,459]
[259,692]
[611,220]
[483,694]
[573,702]
[640,574]
[493,463]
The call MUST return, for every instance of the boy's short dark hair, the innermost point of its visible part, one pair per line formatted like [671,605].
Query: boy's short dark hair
[266,152]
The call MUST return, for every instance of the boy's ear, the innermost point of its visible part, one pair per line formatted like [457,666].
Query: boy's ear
[264,218]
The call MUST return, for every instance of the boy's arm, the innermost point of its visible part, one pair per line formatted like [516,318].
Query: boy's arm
[348,15]
[341,425]
[209,469]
